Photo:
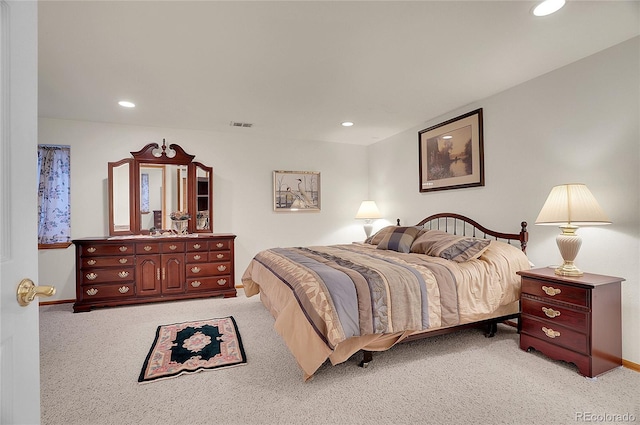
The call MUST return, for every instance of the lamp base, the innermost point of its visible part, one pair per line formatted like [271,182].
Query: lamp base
[568,269]
[368,227]
[569,243]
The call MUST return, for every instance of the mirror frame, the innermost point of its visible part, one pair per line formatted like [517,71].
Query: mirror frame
[160,155]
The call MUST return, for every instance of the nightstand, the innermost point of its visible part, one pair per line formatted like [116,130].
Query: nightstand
[575,319]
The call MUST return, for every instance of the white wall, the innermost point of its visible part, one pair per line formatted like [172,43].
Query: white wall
[242,188]
[578,124]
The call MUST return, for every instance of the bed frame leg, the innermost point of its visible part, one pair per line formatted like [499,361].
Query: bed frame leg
[492,328]
[367,357]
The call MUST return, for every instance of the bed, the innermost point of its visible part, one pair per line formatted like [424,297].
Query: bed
[403,283]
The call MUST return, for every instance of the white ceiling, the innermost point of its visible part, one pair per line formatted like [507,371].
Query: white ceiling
[297,69]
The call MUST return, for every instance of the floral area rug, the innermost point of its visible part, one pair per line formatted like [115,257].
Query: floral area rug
[192,347]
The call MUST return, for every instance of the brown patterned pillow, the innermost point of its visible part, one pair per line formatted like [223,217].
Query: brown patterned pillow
[399,239]
[437,243]
[377,237]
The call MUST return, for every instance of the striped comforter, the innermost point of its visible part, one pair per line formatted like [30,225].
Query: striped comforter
[353,290]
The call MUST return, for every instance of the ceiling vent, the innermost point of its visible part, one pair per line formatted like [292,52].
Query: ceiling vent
[240,124]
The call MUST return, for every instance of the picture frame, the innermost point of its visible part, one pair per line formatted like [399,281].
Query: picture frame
[451,154]
[296,191]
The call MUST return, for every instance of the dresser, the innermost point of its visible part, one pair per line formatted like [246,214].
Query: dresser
[140,269]
[575,319]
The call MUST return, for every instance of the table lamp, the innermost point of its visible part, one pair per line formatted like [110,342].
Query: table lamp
[569,206]
[368,211]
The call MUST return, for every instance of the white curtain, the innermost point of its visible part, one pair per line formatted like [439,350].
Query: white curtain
[54,206]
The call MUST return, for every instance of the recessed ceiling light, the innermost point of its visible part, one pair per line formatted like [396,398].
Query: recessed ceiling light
[447,137]
[127,104]
[548,7]
[347,124]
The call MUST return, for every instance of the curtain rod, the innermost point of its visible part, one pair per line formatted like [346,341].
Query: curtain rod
[54,146]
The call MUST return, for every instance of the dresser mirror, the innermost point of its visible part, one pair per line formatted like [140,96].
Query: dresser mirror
[146,191]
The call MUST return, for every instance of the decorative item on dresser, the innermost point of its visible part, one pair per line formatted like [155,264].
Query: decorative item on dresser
[139,269]
[575,319]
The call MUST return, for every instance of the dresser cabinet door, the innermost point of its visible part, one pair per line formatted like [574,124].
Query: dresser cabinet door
[172,273]
[148,275]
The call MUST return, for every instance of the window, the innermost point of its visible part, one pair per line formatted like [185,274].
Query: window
[54,207]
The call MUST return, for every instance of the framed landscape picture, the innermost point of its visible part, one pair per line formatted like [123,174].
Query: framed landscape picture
[451,154]
[296,191]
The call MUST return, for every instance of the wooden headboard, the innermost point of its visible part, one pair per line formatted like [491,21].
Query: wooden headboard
[457,224]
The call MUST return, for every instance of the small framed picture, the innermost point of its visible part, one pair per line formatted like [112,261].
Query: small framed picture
[296,191]
[451,154]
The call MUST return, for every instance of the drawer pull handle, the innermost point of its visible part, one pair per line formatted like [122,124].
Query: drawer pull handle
[222,268]
[91,276]
[157,274]
[219,244]
[123,249]
[222,282]
[173,247]
[196,283]
[123,274]
[197,257]
[123,289]
[196,246]
[91,249]
[91,262]
[550,332]
[220,255]
[92,291]
[551,291]
[195,269]
[123,260]
[549,312]
[147,248]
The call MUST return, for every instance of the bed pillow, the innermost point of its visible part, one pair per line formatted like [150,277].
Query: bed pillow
[377,237]
[399,239]
[437,243]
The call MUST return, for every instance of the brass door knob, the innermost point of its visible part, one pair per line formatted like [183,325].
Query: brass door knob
[28,291]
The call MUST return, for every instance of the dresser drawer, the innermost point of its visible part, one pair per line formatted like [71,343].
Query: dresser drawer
[106,249]
[197,257]
[208,269]
[148,248]
[556,292]
[97,292]
[555,334]
[166,247]
[113,261]
[219,255]
[208,283]
[197,246]
[93,276]
[556,314]
[219,245]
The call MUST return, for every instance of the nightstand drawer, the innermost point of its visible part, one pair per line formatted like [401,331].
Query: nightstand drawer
[555,334]
[556,291]
[555,314]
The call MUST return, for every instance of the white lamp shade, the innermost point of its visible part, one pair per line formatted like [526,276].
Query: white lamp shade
[571,204]
[368,210]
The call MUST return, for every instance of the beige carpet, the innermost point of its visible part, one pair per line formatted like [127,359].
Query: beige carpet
[90,363]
